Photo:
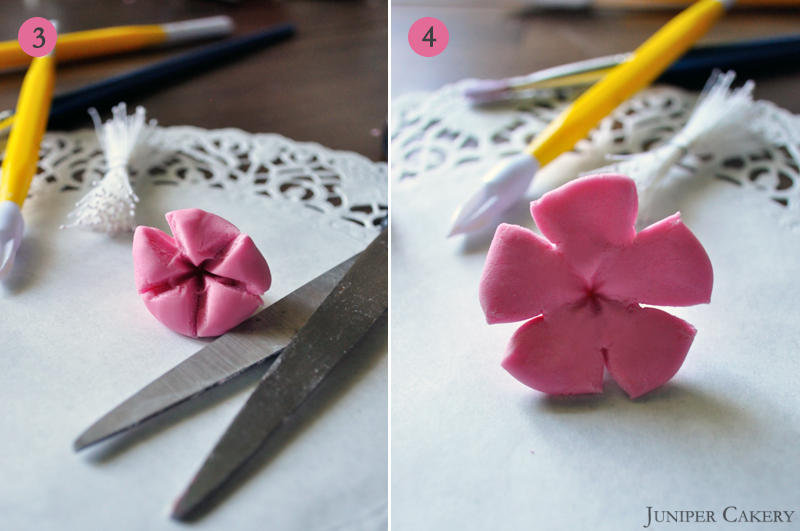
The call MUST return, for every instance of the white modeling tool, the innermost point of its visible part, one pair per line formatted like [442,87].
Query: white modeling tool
[480,91]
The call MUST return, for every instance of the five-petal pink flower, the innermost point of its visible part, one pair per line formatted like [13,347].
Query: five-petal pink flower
[205,280]
[583,289]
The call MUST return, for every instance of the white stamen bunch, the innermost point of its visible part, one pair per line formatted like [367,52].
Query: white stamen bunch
[111,204]
[722,123]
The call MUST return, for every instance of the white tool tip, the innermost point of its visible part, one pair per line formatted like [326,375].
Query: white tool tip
[201,28]
[567,5]
[486,90]
[11,228]
[503,186]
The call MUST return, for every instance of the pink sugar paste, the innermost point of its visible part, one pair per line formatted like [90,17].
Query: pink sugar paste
[583,283]
[205,280]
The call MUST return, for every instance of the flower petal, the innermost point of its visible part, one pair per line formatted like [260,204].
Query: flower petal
[665,265]
[524,276]
[156,259]
[645,347]
[200,235]
[221,307]
[587,218]
[244,263]
[176,308]
[558,353]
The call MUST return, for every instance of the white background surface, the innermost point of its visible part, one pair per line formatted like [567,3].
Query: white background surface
[473,449]
[77,340]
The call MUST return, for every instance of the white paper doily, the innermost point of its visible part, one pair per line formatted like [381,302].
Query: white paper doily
[77,341]
[434,133]
[344,190]
[473,449]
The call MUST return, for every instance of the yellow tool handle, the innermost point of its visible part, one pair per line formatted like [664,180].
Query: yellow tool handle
[649,61]
[33,109]
[92,43]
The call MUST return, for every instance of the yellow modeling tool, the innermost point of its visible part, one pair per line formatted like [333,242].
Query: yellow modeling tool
[107,41]
[22,154]
[508,181]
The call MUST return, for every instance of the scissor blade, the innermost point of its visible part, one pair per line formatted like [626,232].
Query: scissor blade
[341,320]
[252,342]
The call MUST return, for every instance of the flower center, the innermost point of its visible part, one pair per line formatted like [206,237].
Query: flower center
[202,275]
[592,298]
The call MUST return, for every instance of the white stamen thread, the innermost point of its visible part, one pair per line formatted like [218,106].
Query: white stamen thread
[111,204]
[722,121]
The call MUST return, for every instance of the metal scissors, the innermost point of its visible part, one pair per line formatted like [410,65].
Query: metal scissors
[310,331]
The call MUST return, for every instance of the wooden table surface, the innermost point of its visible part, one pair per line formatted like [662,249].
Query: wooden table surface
[488,40]
[328,84]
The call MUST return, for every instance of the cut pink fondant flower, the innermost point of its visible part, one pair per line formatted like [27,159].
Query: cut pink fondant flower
[205,280]
[582,285]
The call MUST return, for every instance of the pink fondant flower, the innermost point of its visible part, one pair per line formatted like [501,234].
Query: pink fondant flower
[583,288]
[205,280]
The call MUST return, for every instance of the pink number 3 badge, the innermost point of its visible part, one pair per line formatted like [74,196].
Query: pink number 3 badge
[37,37]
